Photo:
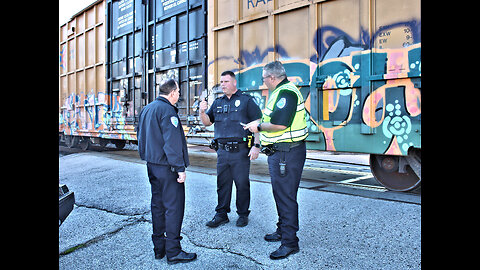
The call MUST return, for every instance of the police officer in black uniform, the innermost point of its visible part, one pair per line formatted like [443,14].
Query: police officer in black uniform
[161,142]
[228,113]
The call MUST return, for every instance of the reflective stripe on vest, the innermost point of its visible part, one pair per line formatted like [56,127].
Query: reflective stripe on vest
[300,107]
[298,131]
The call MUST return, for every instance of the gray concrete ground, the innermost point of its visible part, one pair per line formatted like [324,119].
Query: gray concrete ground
[110,226]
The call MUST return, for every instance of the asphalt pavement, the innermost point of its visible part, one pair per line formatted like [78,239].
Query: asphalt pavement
[110,225]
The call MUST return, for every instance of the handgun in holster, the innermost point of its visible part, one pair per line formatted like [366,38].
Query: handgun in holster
[268,150]
[214,145]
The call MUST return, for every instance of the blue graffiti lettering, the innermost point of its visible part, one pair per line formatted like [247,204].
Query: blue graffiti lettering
[256,3]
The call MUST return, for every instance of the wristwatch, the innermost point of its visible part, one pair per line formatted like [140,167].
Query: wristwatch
[259,127]
[257,145]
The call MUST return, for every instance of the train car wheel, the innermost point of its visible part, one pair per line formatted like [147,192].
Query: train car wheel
[119,144]
[85,144]
[103,142]
[71,141]
[388,171]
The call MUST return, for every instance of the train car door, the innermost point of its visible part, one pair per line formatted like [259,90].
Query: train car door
[125,60]
[149,41]
[177,48]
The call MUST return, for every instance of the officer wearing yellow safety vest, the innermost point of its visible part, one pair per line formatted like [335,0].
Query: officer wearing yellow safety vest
[283,129]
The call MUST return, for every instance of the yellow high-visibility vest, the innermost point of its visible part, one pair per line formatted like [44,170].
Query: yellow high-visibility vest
[298,131]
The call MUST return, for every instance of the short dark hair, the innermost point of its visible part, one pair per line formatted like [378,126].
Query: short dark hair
[167,87]
[228,72]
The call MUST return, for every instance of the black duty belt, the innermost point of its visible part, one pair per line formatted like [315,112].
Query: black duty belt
[231,146]
[284,147]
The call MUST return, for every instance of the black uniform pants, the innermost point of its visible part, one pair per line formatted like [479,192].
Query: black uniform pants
[233,166]
[285,191]
[168,205]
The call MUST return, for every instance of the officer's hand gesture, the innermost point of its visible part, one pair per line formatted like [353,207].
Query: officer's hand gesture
[203,106]
[252,126]
[254,151]
[181,177]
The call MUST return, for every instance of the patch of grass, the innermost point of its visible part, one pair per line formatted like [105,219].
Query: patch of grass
[72,249]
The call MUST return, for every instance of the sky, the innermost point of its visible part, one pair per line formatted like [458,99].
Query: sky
[66,8]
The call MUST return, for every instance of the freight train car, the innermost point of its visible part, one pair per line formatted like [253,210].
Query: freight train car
[114,53]
[356,62]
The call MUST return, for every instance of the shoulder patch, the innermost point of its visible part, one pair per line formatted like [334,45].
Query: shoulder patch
[281,103]
[174,121]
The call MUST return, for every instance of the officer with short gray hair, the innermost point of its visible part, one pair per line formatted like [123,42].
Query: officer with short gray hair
[283,129]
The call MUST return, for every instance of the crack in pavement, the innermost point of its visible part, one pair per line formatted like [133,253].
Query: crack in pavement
[112,212]
[103,236]
[131,220]
[134,219]
[225,250]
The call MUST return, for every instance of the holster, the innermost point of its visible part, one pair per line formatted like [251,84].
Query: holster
[214,145]
[284,147]
[268,150]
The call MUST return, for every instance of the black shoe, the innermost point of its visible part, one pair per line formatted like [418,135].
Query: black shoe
[217,221]
[159,254]
[273,237]
[283,252]
[242,221]
[182,257]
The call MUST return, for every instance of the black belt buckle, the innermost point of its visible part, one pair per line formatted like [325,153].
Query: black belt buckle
[231,147]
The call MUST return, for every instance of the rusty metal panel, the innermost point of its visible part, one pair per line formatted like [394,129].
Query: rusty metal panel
[80,23]
[254,42]
[71,55]
[227,11]
[90,18]
[295,45]
[100,79]
[250,9]
[226,48]
[90,48]
[100,42]
[284,3]
[256,35]
[343,15]
[63,59]
[396,23]
[82,72]
[80,51]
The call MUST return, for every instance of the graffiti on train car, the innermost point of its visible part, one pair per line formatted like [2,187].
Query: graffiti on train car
[386,105]
[358,99]
[254,3]
[90,115]
[344,99]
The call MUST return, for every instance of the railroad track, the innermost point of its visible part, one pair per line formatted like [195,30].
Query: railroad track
[319,173]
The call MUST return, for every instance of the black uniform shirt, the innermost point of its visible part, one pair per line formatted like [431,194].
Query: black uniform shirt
[285,107]
[160,135]
[227,113]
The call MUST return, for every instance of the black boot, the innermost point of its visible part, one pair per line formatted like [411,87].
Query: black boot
[272,237]
[217,221]
[159,254]
[182,257]
[283,252]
